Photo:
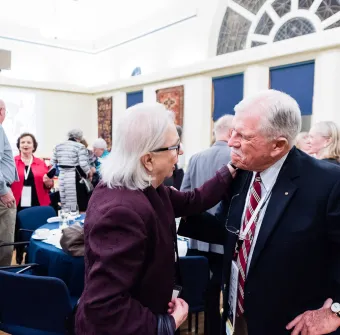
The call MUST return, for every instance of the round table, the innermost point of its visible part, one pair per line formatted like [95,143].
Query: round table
[55,262]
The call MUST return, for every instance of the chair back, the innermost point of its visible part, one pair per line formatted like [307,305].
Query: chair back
[41,303]
[32,218]
[195,276]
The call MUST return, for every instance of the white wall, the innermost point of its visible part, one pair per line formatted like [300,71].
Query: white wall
[47,64]
[49,115]
[177,45]
[256,79]
[174,46]
[326,104]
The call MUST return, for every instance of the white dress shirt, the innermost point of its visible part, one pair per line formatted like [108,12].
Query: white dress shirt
[268,180]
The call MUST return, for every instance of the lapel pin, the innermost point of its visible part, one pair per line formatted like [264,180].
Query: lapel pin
[286,193]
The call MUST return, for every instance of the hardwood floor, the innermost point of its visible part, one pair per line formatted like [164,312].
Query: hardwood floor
[184,327]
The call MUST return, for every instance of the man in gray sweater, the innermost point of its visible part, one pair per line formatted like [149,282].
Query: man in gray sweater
[8,210]
[202,167]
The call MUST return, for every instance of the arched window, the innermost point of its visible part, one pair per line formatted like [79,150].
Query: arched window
[251,23]
[293,28]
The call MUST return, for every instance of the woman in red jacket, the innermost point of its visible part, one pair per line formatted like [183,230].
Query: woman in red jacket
[33,186]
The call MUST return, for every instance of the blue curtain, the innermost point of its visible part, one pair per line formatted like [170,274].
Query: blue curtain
[134,98]
[298,81]
[228,91]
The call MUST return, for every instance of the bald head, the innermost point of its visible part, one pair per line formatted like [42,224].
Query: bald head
[2,111]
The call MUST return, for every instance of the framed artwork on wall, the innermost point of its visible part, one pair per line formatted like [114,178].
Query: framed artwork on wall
[104,108]
[173,99]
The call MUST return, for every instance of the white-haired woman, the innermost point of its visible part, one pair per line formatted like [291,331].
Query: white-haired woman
[324,140]
[73,162]
[100,151]
[130,229]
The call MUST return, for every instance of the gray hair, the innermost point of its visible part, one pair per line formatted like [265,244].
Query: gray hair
[100,143]
[282,113]
[141,129]
[76,134]
[223,125]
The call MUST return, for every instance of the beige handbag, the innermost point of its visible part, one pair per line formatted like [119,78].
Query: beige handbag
[72,240]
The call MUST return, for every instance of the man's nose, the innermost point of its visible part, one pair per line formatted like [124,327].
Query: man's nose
[233,142]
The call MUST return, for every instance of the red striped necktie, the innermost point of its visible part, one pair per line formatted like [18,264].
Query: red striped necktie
[242,257]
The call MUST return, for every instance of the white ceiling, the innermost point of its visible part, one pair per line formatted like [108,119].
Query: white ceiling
[84,24]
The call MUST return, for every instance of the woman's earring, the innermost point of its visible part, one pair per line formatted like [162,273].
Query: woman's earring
[150,179]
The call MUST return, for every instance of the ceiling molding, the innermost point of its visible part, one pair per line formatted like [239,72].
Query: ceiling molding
[102,49]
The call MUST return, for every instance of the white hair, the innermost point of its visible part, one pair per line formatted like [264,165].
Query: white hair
[141,129]
[100,143]
[282,115]
[223,125]
[76,134]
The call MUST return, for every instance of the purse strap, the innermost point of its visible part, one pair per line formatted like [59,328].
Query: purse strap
[178,269]
[80,176]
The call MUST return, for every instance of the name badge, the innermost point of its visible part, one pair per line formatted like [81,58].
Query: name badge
[176,292]
[26,196]
[232,299]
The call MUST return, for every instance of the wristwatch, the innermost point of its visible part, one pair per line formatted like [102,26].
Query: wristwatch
[335,308]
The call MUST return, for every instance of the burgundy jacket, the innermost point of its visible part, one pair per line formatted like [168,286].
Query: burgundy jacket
[129,254]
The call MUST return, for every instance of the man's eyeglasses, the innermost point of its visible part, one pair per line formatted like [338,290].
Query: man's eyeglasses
[174,147]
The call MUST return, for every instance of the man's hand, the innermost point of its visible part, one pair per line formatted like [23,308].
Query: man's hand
[8,199]
[319,322]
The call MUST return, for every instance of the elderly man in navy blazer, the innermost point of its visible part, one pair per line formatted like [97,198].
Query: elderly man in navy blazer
[281,228]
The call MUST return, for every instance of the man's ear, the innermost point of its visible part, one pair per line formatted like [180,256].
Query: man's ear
[147,161]
[280,145]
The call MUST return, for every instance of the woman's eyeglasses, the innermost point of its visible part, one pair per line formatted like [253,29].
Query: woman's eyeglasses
[174,147]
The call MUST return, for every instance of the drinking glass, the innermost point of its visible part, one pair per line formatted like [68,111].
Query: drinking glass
[64,214]
[74,210]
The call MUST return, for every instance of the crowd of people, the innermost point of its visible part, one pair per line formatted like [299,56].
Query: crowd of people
[262,204]
[26,180]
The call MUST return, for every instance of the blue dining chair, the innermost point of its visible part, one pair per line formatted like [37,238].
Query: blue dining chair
[195,274]
[32,218]
[29,220]
[33,305]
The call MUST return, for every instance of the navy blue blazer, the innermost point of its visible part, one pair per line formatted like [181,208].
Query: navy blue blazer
[296,261]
